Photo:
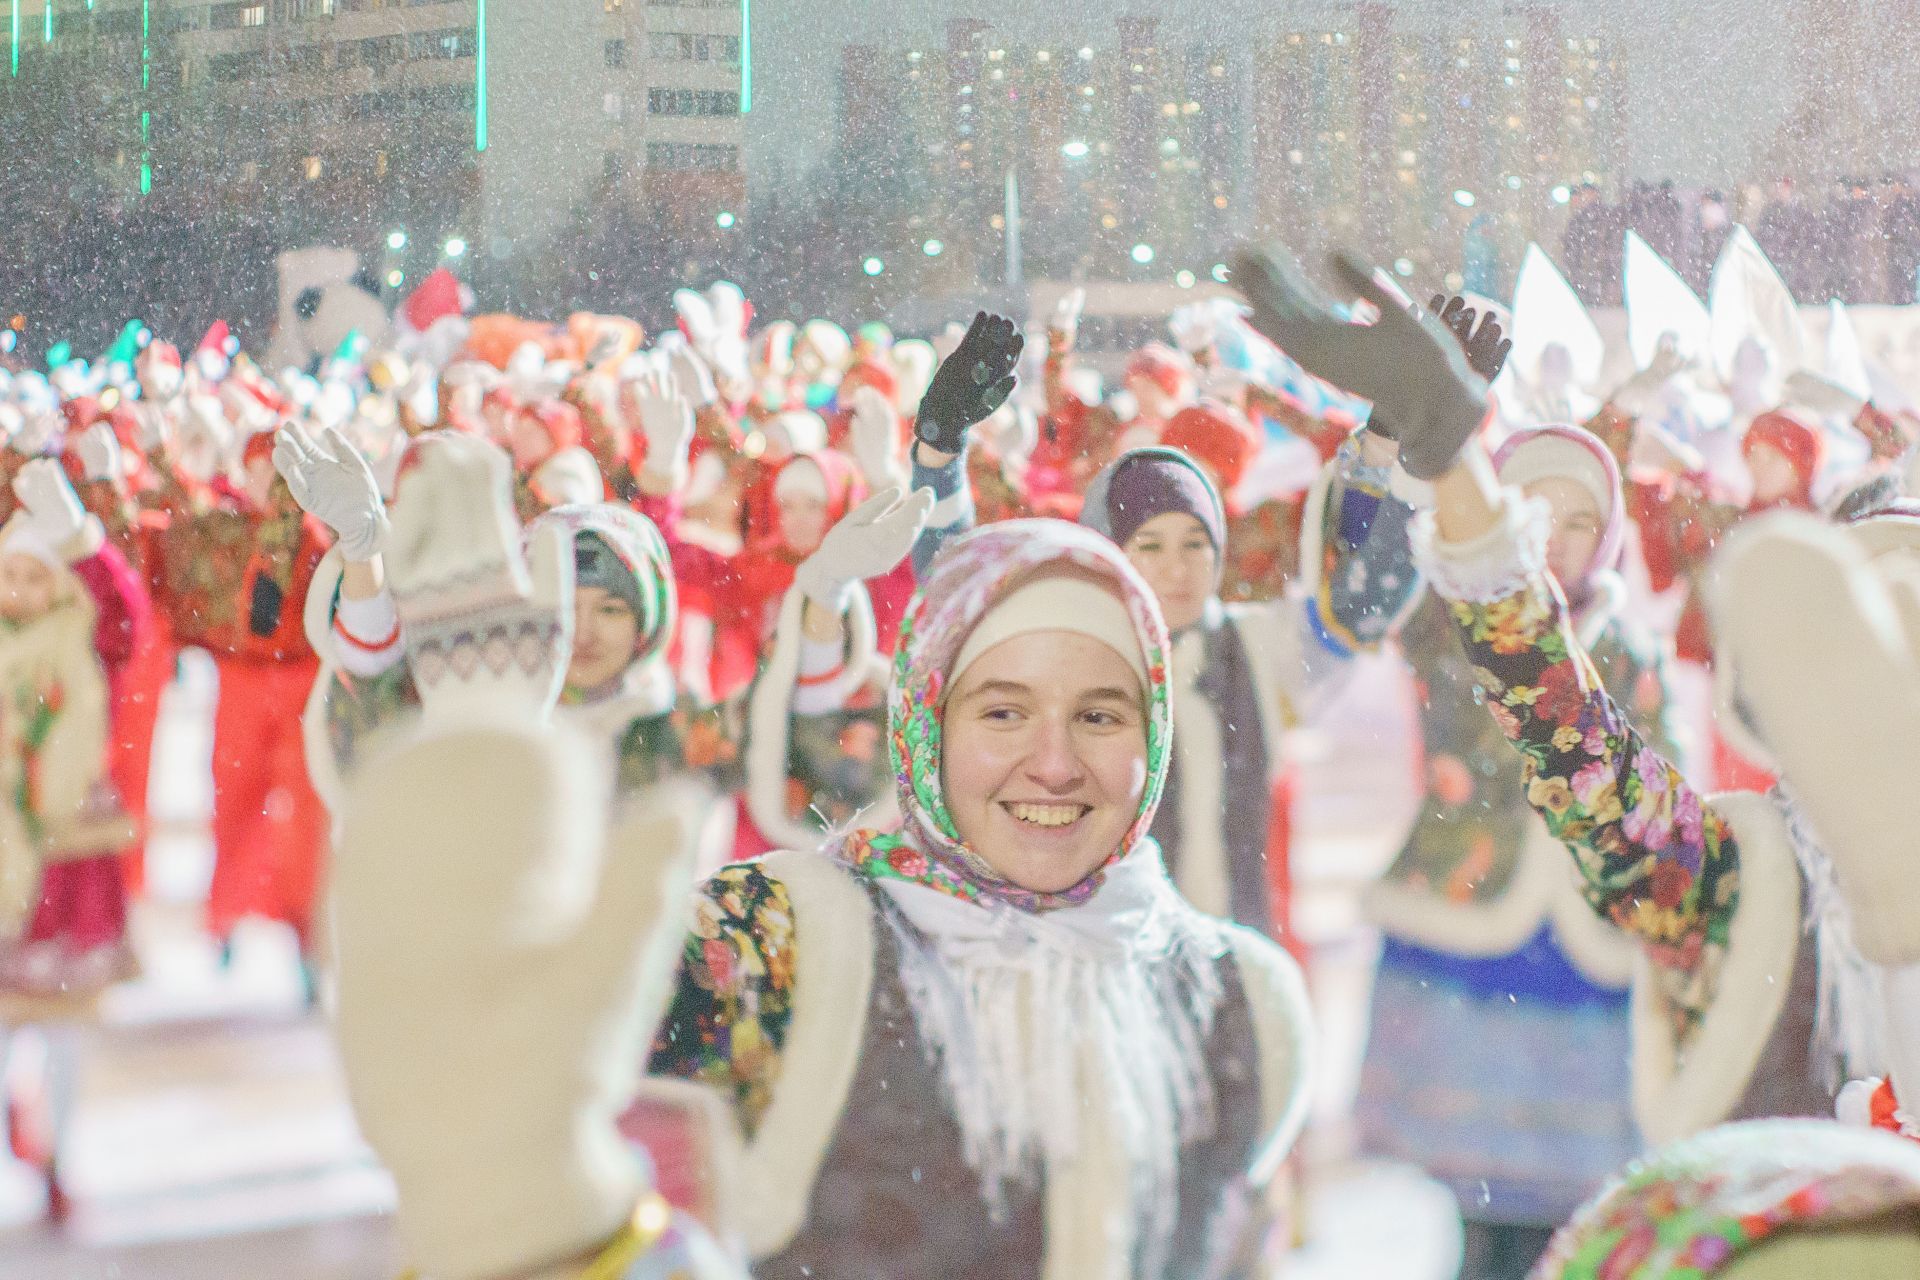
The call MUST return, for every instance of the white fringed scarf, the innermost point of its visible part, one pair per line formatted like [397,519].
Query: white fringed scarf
[1071,1044]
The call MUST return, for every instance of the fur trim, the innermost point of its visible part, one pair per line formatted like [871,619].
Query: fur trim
[1495,565]
[86,543]
[1544,888]
[1272,637]
[1199,749]
[1679,1090]
[323,594]
[701,1115]
[822,1052]
[1283,1032]
[770,717]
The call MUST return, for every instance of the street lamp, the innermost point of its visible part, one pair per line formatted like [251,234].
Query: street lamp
[724,220]
[396,240]
[873,266]
[394,277]
[455,247]
[1074,149]
[1463,198]
[1143,254]
[933,248]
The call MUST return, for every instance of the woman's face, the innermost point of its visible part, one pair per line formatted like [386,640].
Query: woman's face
[1774,478]
[1174,554]
[605,633]
[26,587]
[1044,757]
[1577,524]
[528,441]
[803,522]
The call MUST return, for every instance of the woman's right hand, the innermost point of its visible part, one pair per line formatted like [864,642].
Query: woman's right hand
[333,483]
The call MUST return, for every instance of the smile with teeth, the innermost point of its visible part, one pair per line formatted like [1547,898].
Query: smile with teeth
[1047,815]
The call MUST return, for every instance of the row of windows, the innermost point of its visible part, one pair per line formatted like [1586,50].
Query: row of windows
[378,52]
[675,46]
[691,155]
[693,102]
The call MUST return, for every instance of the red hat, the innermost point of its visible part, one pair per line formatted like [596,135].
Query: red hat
[1217,435]
[437,297]
[1800,444]
[259,445]
[879,376]
[1161,365]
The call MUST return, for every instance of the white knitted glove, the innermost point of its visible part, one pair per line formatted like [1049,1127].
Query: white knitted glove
[503,960]
[1824,644]
[666,421]
[690,374]
[99,451]
[333,483]
[873,538]
[873,437]
[488,632]
[52,509]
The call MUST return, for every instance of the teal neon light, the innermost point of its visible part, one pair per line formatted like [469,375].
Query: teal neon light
[480,76]
[746,56]
[146,76]
[16,36]
[47,37]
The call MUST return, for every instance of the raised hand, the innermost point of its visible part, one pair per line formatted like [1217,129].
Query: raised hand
[1487,347]
[53,509]
[873,437]
[1411,366]
[505,953]
[1063,326]
[872,538]
[333,483]
[666,423]
[100,455]
[489,632]
[970,384]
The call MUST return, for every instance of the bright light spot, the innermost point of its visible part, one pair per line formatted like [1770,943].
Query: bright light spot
[1463,198]
[1169,146]
[873,266]
[1513,182]
[394,277]
[1219,273]
[1074,150]
[455,246]
[1143,254]
[1403,266]
[396,239]
[1561,194]
[1086,55]
[723,220]
[1184,279]
[1455,281]
[933,248]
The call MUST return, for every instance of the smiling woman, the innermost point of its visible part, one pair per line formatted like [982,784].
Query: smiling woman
[994,1041]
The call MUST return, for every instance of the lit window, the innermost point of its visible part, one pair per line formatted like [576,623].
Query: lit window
[314,168]
[254,15]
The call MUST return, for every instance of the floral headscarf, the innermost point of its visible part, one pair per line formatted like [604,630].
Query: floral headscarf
[971,575]
[640,548]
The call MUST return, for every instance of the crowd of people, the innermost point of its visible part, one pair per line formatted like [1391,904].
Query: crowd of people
[768,798]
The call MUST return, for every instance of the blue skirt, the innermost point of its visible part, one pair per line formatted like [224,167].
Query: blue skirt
[1506,1078]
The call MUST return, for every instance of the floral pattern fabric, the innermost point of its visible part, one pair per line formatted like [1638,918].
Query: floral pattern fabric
[1654,860]
[734,999]
[1691,1210]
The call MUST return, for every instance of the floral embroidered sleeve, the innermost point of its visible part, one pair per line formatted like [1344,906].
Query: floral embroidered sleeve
[1654,859]
[734,997]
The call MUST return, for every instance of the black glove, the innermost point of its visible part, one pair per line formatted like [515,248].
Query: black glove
[1408,364]
[969,384]
[1486,347]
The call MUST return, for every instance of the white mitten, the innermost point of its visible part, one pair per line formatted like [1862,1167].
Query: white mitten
[873,538]
[99,451]
[52,510]
[488,632]
[1064,324]
[1193,327]
[1820,396]
[666,421]
[873,437]
[333,483]
[690,374]
[503,962]
[1639,395]
[1824,647]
